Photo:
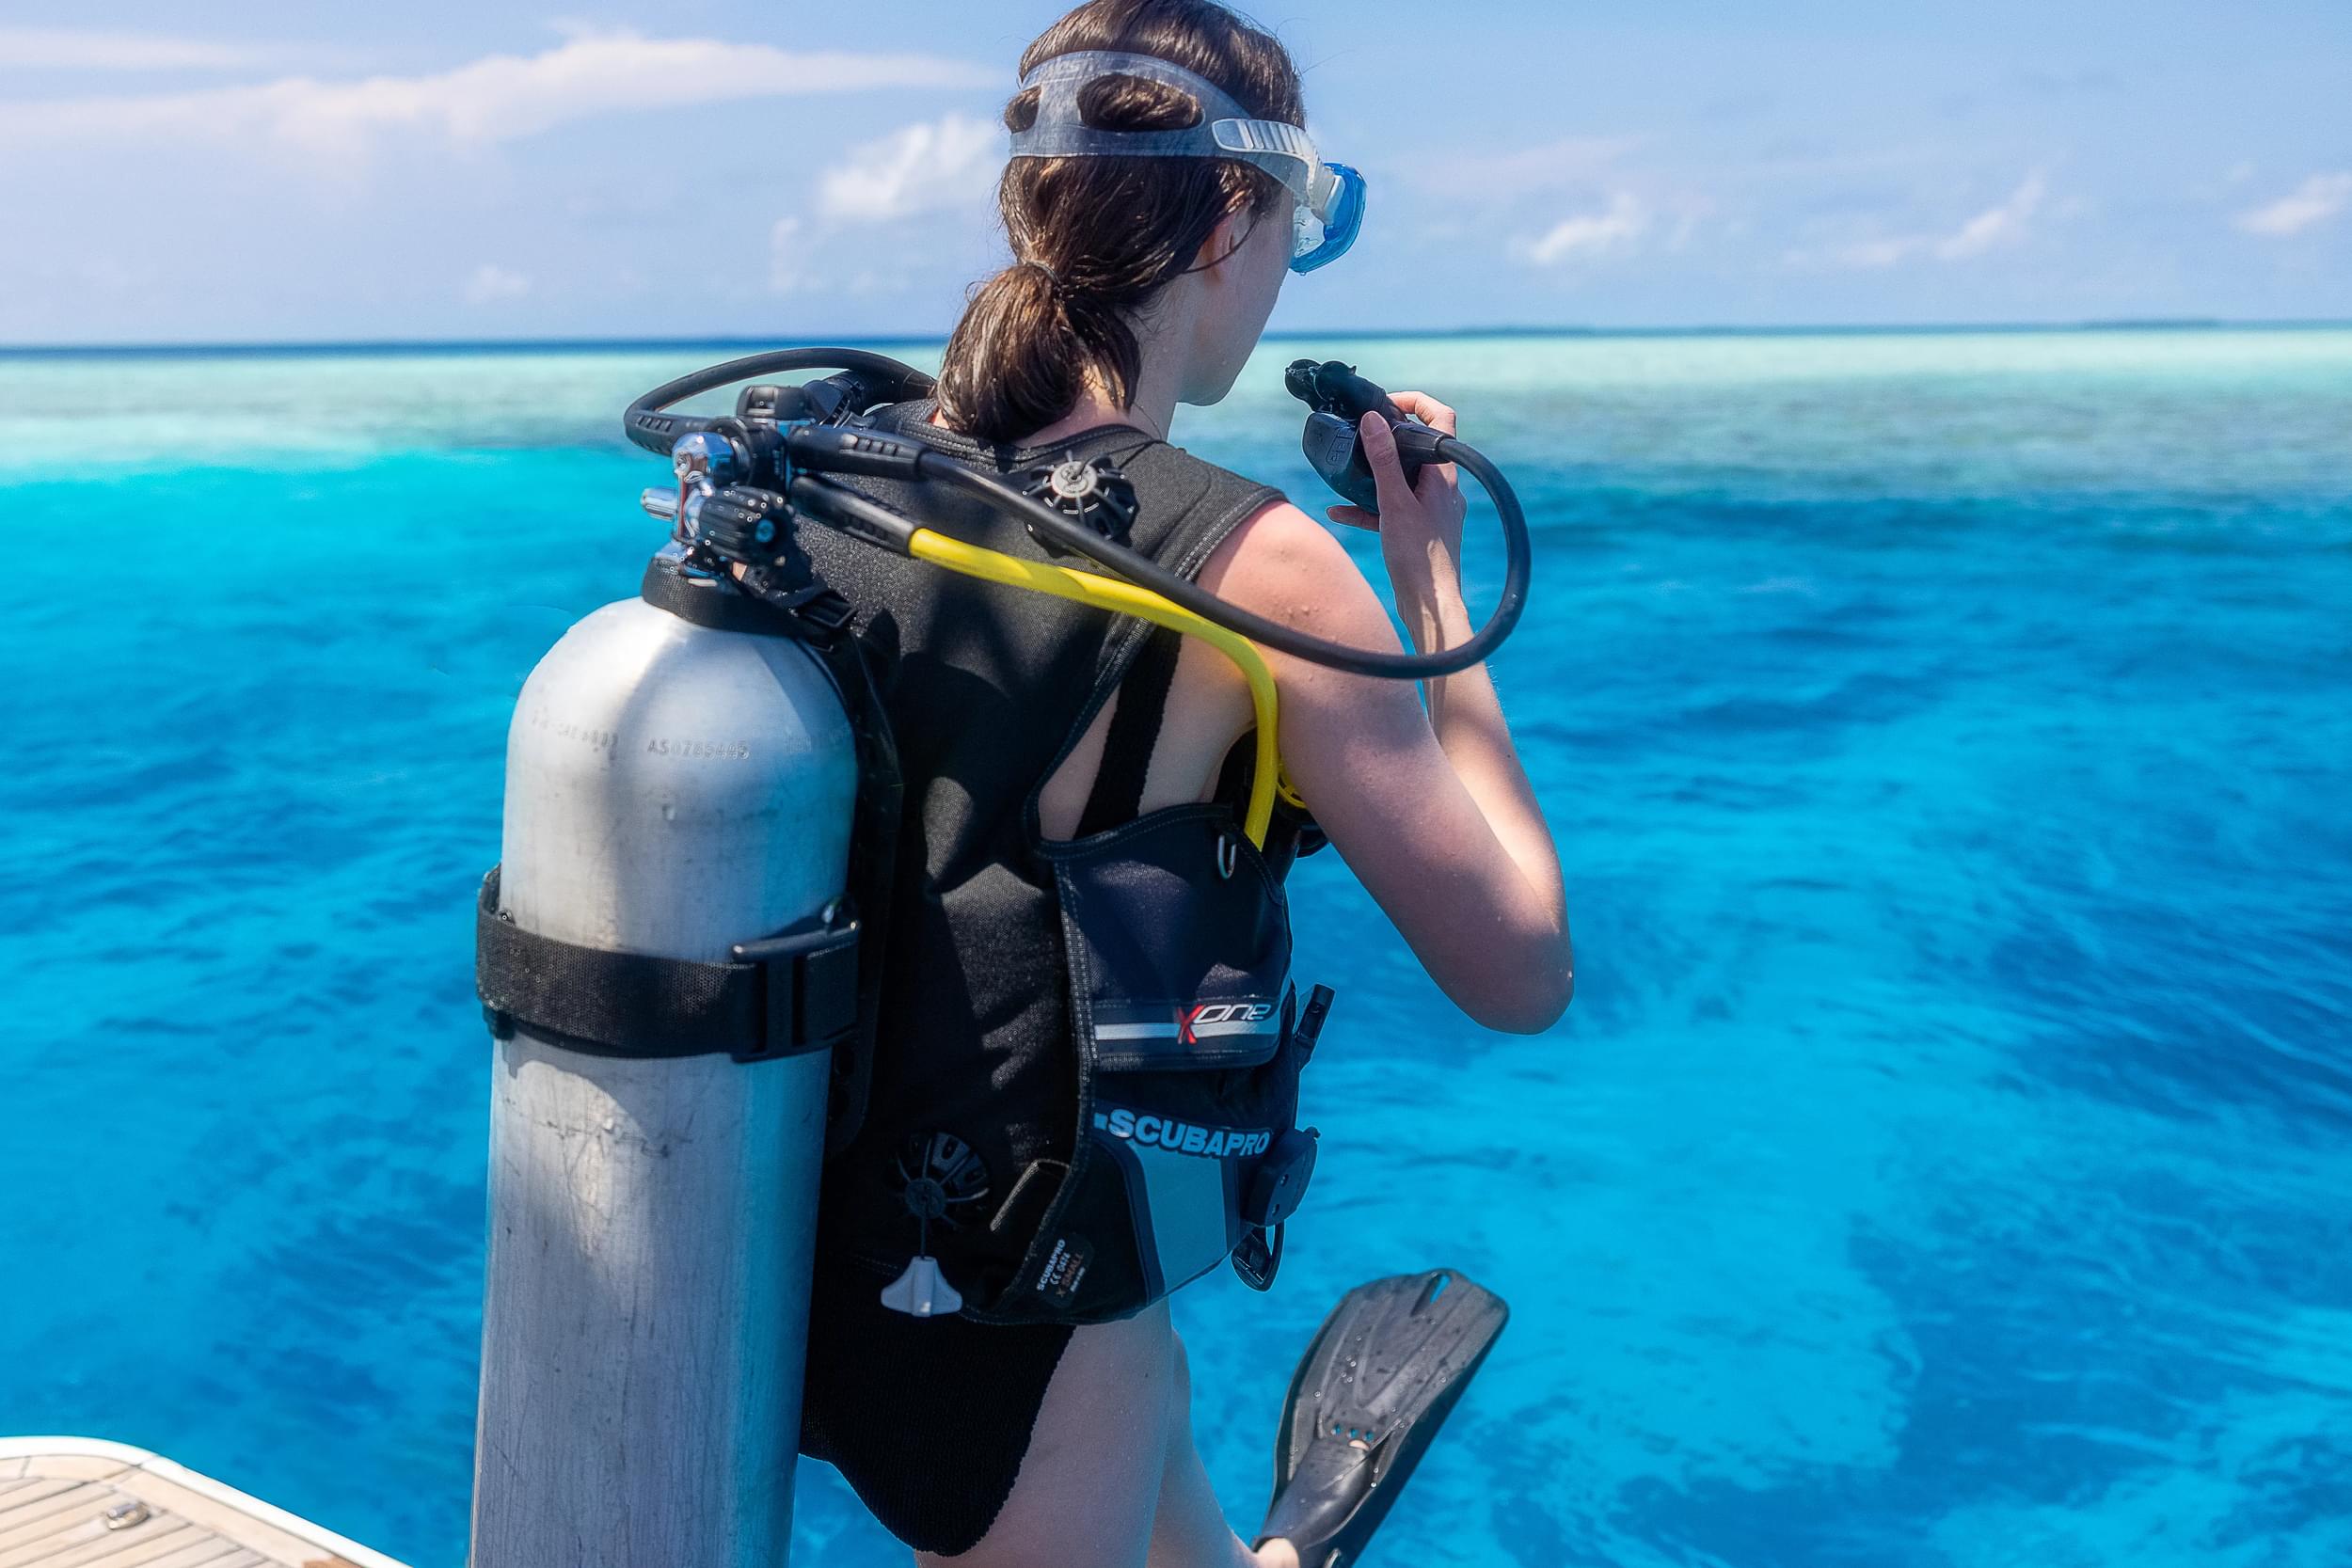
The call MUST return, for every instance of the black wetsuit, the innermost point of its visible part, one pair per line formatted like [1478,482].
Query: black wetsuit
[928,1419]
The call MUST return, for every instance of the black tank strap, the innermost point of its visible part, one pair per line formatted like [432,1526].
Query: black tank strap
[789,993]
[1118,793]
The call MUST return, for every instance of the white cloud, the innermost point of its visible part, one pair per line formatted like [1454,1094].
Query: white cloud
[1624,221]
[1881,253]
[2316,200]
[67,49]
[932,167]
[943,170]
[2004,224]
[1996,226]
[492,284]
[496,98]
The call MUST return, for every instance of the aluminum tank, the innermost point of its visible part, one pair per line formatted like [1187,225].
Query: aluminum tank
[670,789]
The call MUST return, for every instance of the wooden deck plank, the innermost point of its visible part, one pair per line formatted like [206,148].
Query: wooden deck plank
[51,1537]
[59,1544]
[56,1493]
[91,1542]
[143,1544]
[23,1523]
[207,1550]
[76,1466]
[32,1495]
[221,1518]
[139,1547]
[45,1518]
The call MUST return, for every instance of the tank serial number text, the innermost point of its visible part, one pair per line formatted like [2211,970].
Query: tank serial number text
[586,734]
[734,750]
[608,742]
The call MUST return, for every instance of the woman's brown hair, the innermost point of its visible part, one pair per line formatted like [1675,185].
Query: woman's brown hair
[1095,238]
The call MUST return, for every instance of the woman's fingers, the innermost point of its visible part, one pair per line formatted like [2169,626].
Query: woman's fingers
[1353,517]
[1439,417]
[1428,410]
[1387,475]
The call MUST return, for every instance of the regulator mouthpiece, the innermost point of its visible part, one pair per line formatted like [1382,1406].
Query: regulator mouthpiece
[1337,400]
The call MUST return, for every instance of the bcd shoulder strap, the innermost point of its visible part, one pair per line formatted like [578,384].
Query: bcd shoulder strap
[1135,731]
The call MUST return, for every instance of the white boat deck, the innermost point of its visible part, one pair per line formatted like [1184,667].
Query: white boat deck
[76,1502]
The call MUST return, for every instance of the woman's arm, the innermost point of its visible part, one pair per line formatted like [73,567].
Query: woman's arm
[1431,809]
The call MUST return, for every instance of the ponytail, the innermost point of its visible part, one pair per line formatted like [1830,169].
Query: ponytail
[1097,238]
[1018,360]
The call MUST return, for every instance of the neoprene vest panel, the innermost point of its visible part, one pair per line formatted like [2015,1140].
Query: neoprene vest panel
[1106,1022]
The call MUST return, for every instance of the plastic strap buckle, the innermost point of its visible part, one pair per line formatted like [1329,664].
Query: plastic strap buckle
[810,1001]
[828,614]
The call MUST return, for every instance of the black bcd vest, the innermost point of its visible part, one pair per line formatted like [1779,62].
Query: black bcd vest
[1106,1023]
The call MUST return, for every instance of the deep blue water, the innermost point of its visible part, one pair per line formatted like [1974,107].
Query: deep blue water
[1947,1160]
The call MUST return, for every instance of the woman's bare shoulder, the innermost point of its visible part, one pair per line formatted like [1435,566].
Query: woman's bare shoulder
[1284,564]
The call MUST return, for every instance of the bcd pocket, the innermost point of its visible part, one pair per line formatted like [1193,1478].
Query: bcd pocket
[1179,945]
[1190,1127]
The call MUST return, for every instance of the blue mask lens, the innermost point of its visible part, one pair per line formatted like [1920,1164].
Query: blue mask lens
[1320,238]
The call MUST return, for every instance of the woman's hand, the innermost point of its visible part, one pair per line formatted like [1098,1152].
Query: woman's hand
[1420,525]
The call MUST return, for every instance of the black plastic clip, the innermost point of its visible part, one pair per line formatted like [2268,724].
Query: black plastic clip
[827,614]
[1259,1258]
[1309,1027]
[1274,1191]
[819,614]
[810,992]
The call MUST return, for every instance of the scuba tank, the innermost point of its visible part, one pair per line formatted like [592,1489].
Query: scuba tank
[670,970]
[672,789]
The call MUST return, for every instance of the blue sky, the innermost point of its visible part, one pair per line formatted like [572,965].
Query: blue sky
[280,172]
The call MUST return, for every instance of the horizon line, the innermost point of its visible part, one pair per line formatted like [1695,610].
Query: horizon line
[620,344]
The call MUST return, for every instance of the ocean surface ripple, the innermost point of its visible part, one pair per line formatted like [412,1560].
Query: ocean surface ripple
[1949,737]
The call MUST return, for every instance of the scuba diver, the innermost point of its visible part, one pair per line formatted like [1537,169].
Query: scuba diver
[886,938]
[979,1367]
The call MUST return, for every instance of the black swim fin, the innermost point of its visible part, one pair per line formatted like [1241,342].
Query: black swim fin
[1375,1385]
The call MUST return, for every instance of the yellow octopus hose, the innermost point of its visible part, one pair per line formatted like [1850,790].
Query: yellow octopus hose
[1107,593]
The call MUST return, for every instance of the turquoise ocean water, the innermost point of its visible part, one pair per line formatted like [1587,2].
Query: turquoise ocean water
[1947,1160]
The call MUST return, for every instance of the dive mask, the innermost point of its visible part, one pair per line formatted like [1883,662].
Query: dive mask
[1326,199]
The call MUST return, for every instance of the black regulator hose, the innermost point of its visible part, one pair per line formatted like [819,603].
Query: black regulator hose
[879,379]
[849,450]
[868,379]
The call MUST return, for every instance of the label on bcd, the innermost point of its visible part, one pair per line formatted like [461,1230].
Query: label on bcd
[1181,1137]
[1065,1267]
